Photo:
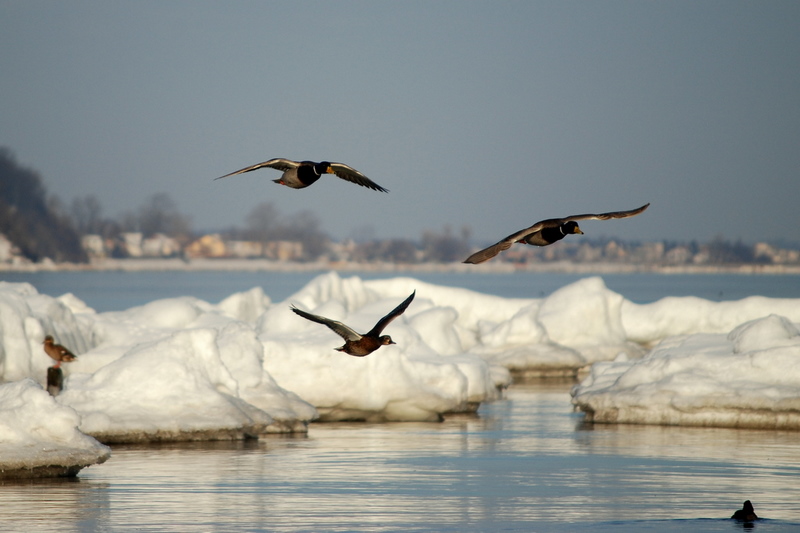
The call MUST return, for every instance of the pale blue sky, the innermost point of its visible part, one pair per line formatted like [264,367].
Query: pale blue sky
[492,115]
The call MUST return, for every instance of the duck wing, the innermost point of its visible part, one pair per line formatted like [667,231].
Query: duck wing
[277,163]
[59,353]
[396,312]
[606,216]
[352,175]
[340,329]
[64,354]
[487,253]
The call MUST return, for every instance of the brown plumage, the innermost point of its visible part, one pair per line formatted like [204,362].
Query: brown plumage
[547,232]
[355,343]
[57,352]
[301,174]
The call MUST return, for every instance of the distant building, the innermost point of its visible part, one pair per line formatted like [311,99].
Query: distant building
[343,251]
[93,245]
[650,252]
[159,245]
[614,251]
[702,256]
[210,245]
[132,244]
[767,252]
[678,255]
[213,245]
[283,250]
[244,249]
[587,253]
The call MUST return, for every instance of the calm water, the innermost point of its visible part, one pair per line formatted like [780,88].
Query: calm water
[115,291]
[524,463]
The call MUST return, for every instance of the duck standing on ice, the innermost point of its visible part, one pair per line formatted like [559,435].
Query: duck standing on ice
[55,377]
[57,352]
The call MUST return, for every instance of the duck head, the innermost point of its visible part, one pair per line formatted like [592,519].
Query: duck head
[571,227]
[386,339]
[323,168]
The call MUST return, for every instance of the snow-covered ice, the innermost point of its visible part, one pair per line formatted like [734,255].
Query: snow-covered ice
[39,437]
[173,369]
[183,368]
[727,364]
[747,378]
[427,373]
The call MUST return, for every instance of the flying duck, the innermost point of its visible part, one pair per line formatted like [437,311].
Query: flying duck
[57,352]
[547,232]
[301,174]
[746,513]
[354,343]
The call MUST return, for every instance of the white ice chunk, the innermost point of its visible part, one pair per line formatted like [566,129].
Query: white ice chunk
[586,317]
[649,323]
[176,388]
[39,437]
[749,378]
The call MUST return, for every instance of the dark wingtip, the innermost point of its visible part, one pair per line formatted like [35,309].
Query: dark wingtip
[225,176]
[374,186]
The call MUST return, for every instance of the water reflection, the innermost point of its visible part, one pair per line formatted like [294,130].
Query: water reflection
[527,462]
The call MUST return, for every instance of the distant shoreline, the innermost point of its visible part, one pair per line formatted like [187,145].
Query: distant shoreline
[255,265]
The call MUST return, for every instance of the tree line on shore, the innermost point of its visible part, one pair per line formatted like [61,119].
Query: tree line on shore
[41,226]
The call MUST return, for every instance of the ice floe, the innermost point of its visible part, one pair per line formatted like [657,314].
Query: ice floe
[39,437]
[173,369]
[747,378]
[183,368]
[427,373]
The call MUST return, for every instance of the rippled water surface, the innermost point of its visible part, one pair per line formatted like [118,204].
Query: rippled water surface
[524,463]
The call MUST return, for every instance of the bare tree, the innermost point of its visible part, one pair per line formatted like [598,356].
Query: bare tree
[87,214]
[159,214]
[445,247]
[30,219]
[262,223]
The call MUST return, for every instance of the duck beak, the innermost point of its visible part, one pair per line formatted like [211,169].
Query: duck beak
[329,171]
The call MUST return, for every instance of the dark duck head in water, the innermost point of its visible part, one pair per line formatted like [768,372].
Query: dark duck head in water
[746,513]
